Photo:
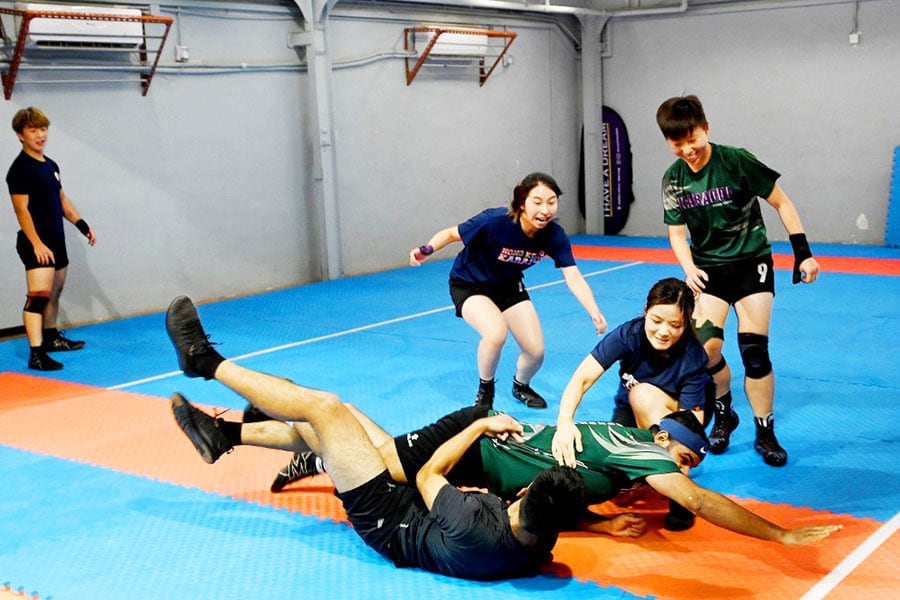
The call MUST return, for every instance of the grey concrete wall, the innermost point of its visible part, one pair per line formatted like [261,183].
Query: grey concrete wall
[205,186]
[785,84]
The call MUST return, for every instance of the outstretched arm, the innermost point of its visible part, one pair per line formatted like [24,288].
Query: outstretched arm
[721,511]
[579,287]
[567,439]
[623,525]
[441,239]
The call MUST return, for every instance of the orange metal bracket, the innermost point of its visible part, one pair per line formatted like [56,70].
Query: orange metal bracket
[484,72]
[26,16]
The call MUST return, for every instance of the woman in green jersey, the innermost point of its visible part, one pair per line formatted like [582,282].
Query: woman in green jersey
[712,192]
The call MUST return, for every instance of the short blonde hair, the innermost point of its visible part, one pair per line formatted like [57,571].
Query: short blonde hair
[29,117]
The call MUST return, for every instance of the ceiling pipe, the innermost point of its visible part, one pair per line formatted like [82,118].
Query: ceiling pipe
[548,8]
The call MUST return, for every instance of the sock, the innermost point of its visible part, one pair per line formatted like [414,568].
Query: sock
[232,431]
[518,383]
[207,363]
[485,382]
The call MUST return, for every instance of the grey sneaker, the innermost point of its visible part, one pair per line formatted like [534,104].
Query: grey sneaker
[202,429]
[303,464]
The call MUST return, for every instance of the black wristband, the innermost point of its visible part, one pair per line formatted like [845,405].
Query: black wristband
[801,253]
[426,250]
[83,227]
[800,246]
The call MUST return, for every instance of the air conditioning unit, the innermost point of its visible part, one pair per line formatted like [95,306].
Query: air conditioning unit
[49,32]
[451,44]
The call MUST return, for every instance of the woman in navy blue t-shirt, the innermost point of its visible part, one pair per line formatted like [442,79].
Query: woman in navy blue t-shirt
[662,368]
[486,280]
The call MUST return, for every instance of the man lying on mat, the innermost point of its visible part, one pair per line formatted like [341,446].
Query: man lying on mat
[434,525]
[505,462]
[615,459]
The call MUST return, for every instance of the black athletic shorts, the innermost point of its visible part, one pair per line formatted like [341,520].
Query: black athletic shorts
[26,254]
[740,279]
[503,295]
[416,447]
[377,508]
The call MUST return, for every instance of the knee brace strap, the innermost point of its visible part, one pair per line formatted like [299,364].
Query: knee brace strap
[717,367]
[755,354]
[708,331]
[36,302]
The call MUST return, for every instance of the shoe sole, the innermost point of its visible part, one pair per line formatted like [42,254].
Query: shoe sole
[182,410]
[180,310]
[527,403]
[771,462]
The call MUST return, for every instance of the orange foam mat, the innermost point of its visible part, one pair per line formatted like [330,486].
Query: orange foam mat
[828,264]
[136,434]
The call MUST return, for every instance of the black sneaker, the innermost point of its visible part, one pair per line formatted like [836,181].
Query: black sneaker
[679,518]
[303,464]
[485,396]
[39,361]
[523,393]
[202,429]
[720,435]
[60,343]
[196,356]
[769,448]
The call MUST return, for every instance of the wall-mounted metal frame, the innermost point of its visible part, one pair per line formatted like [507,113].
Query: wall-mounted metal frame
[82,56]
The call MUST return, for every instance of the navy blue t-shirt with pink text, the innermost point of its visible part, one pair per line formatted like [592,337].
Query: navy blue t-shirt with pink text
[496,250]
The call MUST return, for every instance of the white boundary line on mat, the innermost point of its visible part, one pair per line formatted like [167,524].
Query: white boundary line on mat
[853,560]
[353,330]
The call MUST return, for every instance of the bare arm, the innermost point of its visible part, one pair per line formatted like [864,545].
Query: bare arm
[585,296]
[624,525]
[790,218]
[439,240]
[73,217]
[721,511]
[432,477]
[567,439]
[695,278]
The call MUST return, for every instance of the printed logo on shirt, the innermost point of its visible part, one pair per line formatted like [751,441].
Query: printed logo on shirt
[629,381]
[719,195]
[56,174]
[520,257]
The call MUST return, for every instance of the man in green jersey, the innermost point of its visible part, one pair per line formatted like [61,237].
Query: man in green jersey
[712,192]
[614,458]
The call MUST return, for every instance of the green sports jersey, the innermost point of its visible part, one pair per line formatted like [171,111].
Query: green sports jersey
[720,205]
[614,459]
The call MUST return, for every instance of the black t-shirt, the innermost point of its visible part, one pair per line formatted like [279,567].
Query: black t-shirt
[39,180]
[468,535]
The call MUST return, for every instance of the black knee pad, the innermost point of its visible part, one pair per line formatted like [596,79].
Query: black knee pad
[755,354]
[36,303]
[716,367]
